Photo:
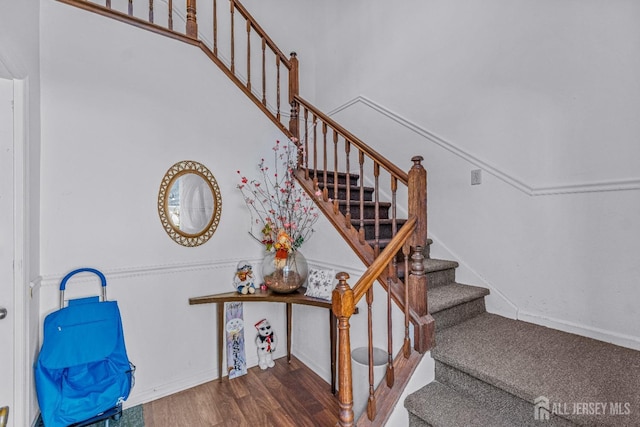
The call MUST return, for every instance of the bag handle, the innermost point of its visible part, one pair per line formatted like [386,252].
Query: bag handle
[103,281]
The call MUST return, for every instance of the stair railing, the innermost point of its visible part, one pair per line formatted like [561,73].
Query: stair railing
[344,301]
[326,169]
[327,148]
[229,36]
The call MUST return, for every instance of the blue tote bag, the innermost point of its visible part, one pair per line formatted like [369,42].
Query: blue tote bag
[83,369]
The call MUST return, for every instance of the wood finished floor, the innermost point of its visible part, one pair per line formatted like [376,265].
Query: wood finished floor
[285,395]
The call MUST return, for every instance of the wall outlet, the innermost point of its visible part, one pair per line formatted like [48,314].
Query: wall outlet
[476,177]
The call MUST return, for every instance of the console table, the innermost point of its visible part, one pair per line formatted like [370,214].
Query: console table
[297,297]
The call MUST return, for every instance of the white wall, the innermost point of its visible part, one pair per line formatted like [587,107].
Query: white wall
[539,95]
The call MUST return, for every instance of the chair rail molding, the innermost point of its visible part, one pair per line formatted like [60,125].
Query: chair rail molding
[146,270]
[519,184]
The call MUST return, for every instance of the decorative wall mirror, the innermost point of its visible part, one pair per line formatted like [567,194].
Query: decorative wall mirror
[189,203]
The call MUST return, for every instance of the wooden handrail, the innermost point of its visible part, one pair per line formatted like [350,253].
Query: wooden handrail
[132,20]
[379,158]
[382,261]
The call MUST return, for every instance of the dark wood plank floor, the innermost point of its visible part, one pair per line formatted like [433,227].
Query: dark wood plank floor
[285,395]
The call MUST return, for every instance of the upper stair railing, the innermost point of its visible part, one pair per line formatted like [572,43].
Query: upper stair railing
[234,41]
[228,35]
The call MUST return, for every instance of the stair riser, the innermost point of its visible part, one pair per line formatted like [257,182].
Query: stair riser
[434,278]
[342,178]
[458,314]
[369,211]
[441,277]
[354,193]
[493,397]
[385,231]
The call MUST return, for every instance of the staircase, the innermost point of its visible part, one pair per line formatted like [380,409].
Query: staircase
[490,371]
[494,371]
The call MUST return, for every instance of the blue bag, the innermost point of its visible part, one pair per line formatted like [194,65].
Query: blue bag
[83,370]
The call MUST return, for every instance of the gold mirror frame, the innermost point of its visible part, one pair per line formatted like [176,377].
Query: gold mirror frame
[176,171]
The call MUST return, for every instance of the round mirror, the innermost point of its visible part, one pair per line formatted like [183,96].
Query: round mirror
[189,203]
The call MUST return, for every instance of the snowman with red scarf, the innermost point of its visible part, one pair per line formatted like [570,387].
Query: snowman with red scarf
[266,342]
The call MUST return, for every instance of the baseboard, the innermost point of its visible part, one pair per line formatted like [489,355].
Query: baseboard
[622,340]
[169,388]
[497,302]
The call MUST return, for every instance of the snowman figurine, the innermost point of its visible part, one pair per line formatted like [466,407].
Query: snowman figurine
[243,279]
[266,344]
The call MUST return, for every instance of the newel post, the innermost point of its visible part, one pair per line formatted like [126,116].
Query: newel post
[417,279]
[294,82]
[343,307]
[294,88]
[417,187]
[192,23]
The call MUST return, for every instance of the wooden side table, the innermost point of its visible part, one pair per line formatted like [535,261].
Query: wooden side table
[297,297]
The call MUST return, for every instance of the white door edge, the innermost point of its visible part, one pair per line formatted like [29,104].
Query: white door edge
[22,366]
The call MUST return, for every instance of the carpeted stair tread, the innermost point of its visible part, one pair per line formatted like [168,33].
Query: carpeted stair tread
[432,265]
[530,361]
[438,405]
[451,295]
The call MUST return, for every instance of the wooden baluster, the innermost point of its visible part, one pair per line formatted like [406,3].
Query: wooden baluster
[192,23]
[325,165]
[264,72]
[249,55]
[361,234]
[390,373]
[394,223]
[151,11]
[215,28]
[376,174]
[233,50]
[315,144]
[306,149]
[347,217]
[108,4]
[278,87]
[130,8]
[336,207]
[343,306]
[170,13]
[407,339]
[371,401]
